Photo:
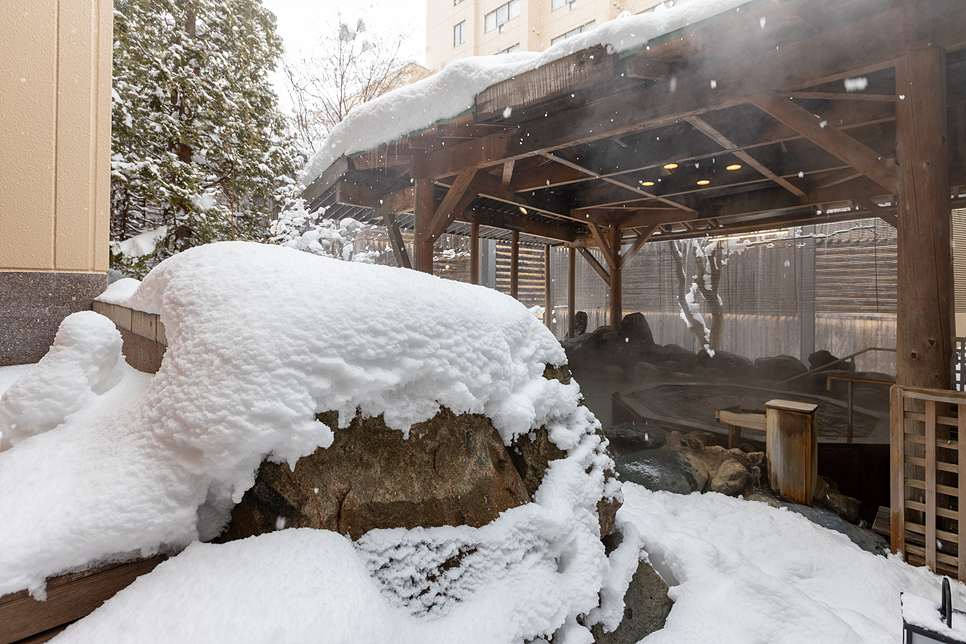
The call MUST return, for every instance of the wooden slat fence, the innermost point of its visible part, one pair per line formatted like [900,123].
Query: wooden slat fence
[929,478]
[959,364]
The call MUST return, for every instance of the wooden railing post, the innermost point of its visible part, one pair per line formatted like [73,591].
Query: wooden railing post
[791,446]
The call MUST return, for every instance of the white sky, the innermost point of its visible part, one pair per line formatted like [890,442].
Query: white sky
[300,21]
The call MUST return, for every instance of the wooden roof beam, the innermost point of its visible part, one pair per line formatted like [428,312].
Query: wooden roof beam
[600,270]
[355,194]
[878,211]
[636,245]
[524,225]
[457,199]
[646,68]
[830,138]
[620,184]
[833,54]
[605,248]
[729,146]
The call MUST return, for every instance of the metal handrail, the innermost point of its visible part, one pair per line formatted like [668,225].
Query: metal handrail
[851,380]
[826,366]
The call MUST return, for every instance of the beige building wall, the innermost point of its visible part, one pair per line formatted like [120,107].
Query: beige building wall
[55,98]
[533,30]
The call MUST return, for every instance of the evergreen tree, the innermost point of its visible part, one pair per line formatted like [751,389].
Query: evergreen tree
[198,144]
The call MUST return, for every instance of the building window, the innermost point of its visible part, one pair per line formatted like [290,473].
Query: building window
[559,4]
[661,6]
[510,50]
[503,13]
[573,32]
[459,34]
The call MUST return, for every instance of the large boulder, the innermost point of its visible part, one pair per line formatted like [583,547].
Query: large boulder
[780,368]
[646,607]
[631,437]
[824,358]
[663,470]
[635,329]
[730,364]
[580,323]
[452,470]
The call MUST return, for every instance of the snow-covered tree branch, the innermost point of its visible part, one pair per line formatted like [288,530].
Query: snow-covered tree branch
[198,143]
[356,65]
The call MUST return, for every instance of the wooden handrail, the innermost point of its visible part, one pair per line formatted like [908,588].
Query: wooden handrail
[826,366]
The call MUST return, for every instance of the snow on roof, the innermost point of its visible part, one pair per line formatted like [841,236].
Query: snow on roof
[102,462]
[452,91]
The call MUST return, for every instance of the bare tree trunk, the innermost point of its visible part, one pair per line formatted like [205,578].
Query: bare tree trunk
[710,264]
[694,325]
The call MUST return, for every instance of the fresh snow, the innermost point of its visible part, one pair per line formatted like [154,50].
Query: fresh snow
[9,375]
[103,463]
[140,245]
[740,572]
[453,90]
[743,572]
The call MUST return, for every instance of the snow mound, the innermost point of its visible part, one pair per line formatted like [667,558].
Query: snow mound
[743,572]
[84,362]
[260,340]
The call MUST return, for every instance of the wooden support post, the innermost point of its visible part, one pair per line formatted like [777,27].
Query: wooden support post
[396,241]
[474,254]
[422,242]
[925,294]
[616,288]
[571,292]
[791,447]
[897,469]
[547,291]
[514,264]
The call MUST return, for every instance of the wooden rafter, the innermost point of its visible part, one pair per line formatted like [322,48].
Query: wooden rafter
[641,192]
[828,137]
[875,209]
[729,146]
[602,243]
[639,241]
[396,240]
[594,264]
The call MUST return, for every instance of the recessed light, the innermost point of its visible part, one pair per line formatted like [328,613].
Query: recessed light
[703,182]
[647,183]
[734,166]
[670,166]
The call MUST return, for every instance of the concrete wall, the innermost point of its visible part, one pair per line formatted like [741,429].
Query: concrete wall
[533,30]
[55,98]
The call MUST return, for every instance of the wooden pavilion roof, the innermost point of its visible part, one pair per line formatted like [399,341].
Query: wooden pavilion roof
[586,145]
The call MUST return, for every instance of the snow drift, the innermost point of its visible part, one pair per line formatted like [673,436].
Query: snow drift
[260,340]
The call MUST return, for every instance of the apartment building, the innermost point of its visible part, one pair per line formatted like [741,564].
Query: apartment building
[459,28]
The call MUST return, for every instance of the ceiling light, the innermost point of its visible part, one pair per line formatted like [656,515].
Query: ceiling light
[647,183]
[734,166]
[703,182]
[523,210]
[670,166]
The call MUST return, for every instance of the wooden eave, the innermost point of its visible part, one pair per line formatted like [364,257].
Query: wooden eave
[761,86]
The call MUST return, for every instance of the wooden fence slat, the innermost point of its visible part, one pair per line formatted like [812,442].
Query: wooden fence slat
[69,597]
[931,484]
[921,507]
[897,471]
[962,493]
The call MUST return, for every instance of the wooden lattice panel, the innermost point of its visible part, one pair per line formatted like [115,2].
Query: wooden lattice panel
[929,478]
[959,364]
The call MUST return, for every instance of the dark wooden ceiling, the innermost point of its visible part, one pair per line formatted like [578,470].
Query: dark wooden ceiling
[583,153]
